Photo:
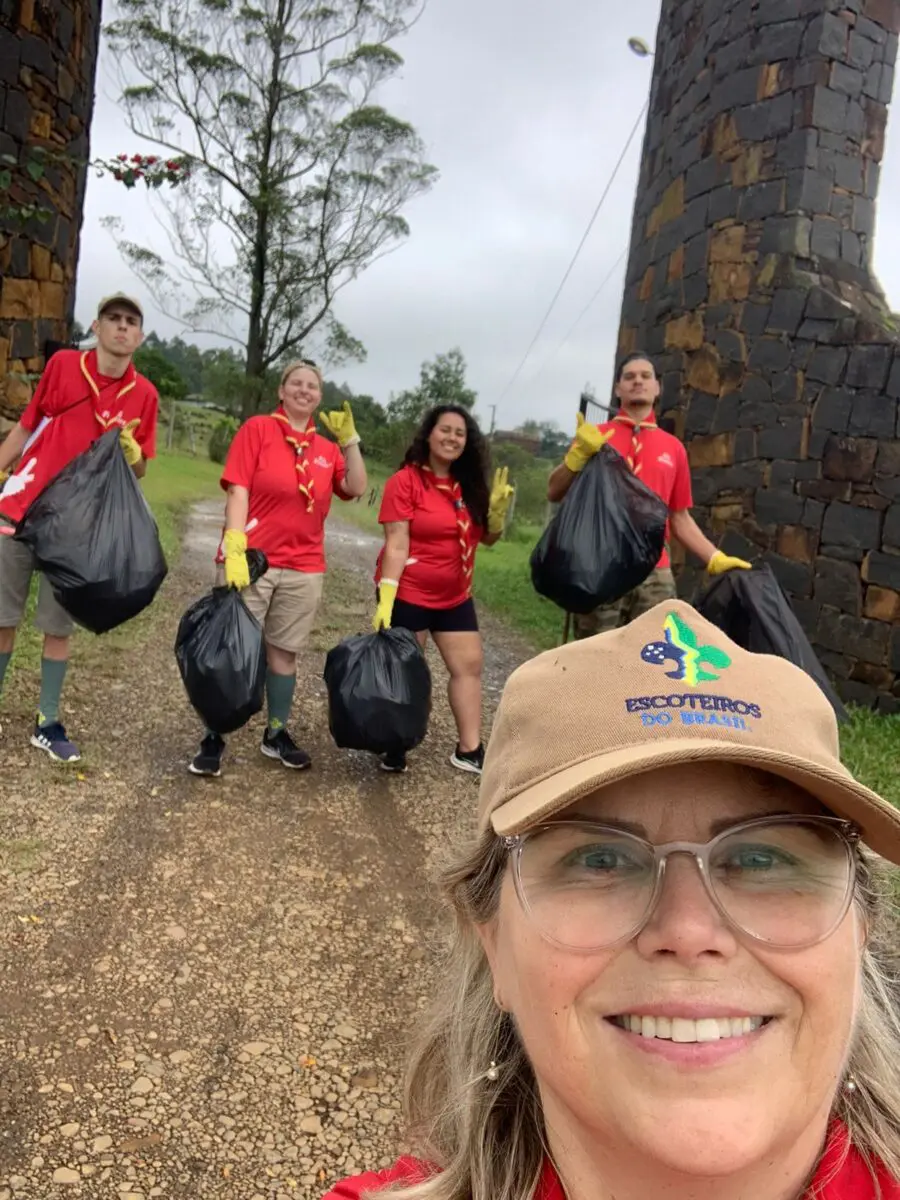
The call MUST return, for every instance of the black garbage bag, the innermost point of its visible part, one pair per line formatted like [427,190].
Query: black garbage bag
[606,538]
[95,539]
[379,692]
[753,610]
[221,655]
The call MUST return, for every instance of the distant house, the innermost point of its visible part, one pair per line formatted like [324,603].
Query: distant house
[529,442]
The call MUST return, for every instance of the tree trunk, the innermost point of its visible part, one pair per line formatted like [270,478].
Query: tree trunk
[750,282]
[47,73]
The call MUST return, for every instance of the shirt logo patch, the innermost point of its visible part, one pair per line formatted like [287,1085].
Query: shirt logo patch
[320,461]
[666,459]
[692,664]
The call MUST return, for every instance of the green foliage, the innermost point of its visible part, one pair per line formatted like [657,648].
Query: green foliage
[441,381]
[221,439]
[298,179]
[162,373]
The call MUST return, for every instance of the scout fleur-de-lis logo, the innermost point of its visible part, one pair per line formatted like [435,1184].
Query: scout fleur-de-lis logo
[692,664]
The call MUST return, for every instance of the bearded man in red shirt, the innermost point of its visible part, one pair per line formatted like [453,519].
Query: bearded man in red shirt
[660,460]
[80,396]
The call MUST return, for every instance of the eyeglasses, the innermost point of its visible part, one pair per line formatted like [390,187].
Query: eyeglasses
[784,881]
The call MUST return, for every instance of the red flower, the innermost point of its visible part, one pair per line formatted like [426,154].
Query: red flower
[136,158]
[122,157]
[172,165]
[117,175]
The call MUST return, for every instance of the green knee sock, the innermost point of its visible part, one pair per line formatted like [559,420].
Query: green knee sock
[53,673]
[279,697]
[5,660]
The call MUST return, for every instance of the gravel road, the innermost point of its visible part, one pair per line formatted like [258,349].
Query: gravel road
[207,983]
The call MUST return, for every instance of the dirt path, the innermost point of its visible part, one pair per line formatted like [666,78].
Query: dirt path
[206,984]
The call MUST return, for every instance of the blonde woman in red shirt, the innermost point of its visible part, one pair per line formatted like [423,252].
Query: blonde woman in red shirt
[436,511]
[280,476]
[672,960]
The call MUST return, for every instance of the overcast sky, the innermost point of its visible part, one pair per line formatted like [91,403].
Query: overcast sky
[525,107]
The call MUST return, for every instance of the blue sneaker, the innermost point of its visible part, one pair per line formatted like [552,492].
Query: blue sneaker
[53,741]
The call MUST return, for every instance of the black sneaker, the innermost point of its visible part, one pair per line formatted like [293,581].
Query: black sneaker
[281,745]
[208,759]
[53,741]
[470,760]
[394,763]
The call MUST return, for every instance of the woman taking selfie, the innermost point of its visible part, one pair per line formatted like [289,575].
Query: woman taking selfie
[436,511]
[280,476]
[673,966]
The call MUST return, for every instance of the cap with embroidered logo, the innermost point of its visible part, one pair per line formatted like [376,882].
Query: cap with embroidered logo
[669,688]
[119,298]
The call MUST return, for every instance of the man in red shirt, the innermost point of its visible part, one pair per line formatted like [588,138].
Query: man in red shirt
[660,460]
[80,396]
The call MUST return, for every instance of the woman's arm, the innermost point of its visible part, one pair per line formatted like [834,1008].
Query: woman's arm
[356,480]
[237,507]
[396,549]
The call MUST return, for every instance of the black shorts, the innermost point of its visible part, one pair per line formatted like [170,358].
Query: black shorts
[460,619]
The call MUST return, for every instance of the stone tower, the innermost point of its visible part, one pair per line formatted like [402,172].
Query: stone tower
[750,281]
[48,59]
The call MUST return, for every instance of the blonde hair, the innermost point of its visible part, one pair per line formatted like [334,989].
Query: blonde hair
[297,365]
[487,1135]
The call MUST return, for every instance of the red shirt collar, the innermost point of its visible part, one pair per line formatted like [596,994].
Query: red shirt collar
[104,381]
[842,1175]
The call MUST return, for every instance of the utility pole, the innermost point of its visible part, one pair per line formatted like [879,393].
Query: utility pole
[493,408]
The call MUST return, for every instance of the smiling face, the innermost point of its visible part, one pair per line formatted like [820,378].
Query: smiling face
[689,1047]
[300,395]
[119,331]
[447,440]
[638,388]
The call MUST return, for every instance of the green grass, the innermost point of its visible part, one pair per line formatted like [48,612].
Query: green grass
[870,748]
[172,484]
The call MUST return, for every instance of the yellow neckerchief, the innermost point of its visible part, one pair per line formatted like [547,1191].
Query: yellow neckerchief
[104,419]
[450,487]
[634,457]
[300,443]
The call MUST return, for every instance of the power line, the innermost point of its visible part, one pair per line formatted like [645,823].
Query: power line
[571,266]
[584,312]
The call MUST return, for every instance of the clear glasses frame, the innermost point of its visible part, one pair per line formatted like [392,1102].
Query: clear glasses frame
[702,853]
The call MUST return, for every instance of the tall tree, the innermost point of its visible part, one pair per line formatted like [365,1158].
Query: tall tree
[299,177]
[442,381]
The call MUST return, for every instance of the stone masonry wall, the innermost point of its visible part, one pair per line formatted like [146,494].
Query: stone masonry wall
[750,283]
[48,57]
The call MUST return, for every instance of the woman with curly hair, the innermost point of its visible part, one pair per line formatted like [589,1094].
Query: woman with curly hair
[436,510]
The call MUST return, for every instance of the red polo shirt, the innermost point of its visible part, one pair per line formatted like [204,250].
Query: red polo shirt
[433,575]
[279,522]
[663,466]
[71,407]
[842,1175]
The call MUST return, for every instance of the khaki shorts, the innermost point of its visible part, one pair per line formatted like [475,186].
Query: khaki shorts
[285,604]
[17,566]
[656,588]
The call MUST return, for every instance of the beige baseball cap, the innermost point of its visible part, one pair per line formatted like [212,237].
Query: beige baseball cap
[669,688]
[119,298]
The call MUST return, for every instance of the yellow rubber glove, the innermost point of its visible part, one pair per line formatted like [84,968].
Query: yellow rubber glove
[720,563]
[501,498]
[387,594]
[130,448]
[340,425]
[588,442]
[237,569]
